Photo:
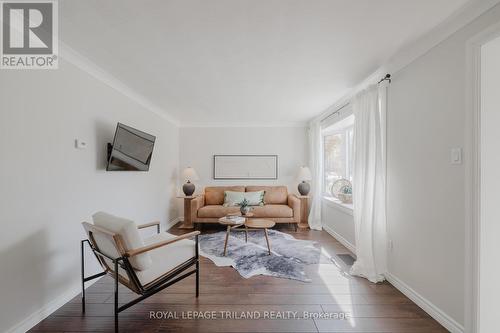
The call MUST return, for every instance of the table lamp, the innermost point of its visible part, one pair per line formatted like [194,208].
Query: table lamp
[189,174]
[304,177]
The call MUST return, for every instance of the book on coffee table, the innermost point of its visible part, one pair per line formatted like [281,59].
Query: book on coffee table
[235,219]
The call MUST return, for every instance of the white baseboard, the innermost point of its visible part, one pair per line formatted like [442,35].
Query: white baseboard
[39,315]
[449,323]
[341,239]
[173,222]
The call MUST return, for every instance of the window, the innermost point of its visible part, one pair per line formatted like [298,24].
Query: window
[337,154]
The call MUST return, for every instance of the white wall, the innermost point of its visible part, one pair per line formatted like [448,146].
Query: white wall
[490,186]
[48,187]
[199,144]
[425,193]
[339,222]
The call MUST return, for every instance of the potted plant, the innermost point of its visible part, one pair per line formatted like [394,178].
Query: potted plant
[345,194]
[245,207]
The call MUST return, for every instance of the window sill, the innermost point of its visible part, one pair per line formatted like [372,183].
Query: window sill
[339,205]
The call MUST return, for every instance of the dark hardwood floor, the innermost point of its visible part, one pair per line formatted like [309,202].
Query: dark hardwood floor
[225,294]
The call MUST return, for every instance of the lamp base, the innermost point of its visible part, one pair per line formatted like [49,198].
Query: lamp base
[304,188]
[188,189]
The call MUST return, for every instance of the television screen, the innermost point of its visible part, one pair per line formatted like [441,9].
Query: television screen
[131,150]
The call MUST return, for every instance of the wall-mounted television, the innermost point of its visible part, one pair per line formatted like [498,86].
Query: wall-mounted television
[131,150]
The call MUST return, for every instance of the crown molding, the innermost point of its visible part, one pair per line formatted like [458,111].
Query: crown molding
[242,124]
[417,48]
[77,59]
[453,23]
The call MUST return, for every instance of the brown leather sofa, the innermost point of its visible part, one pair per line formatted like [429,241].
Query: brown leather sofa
[279,206]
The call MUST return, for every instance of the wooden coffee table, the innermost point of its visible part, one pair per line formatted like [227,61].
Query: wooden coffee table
[259,224]
[231,226]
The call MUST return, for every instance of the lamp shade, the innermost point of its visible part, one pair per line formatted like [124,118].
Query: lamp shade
[304,174]
[190,174]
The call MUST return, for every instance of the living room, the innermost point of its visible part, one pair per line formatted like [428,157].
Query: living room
[249,166]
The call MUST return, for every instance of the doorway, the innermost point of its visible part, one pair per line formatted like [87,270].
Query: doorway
[489,206]
[482,181]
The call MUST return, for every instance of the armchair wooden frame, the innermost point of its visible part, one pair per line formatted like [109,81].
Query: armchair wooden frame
[127,276]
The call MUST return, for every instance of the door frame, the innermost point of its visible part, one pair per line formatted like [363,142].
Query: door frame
[473,175]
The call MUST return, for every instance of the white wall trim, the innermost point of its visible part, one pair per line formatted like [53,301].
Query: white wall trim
[341,239]
[243,124]
[414,50]
[39,315]
[436,313]
[73,57]
[456,21]
[173,222]
[333,203]
[472,169]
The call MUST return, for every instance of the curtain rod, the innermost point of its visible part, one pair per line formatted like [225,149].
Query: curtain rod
[387,77]
[335,112]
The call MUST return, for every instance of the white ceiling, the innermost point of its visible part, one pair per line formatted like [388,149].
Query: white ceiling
[236,61]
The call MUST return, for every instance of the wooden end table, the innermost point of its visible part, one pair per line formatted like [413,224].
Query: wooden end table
[188,222]
[304,211]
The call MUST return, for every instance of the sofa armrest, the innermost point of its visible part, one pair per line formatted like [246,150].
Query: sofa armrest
[294,204]
[196,204]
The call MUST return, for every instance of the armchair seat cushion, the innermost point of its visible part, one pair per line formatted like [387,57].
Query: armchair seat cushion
[216,211]
[165,258]
[272,211]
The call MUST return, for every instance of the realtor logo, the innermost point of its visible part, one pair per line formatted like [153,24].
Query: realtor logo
[29,35]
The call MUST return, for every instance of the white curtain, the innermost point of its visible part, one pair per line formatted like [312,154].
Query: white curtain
[369,109]
[315,163]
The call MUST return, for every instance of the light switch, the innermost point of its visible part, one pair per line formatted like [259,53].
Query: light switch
[456,156]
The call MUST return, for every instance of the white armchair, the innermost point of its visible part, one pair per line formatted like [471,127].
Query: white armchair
[145,266]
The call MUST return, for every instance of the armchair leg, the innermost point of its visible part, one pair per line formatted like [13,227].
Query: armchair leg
[197,278]
[197,268]
[83,274]
[89,278]
[116,296]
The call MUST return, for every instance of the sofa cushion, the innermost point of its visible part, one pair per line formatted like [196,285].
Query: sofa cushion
[272,211]
[127,229]
[214,195]
[165,258]
[232,198]
[216,211]
[274,194]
